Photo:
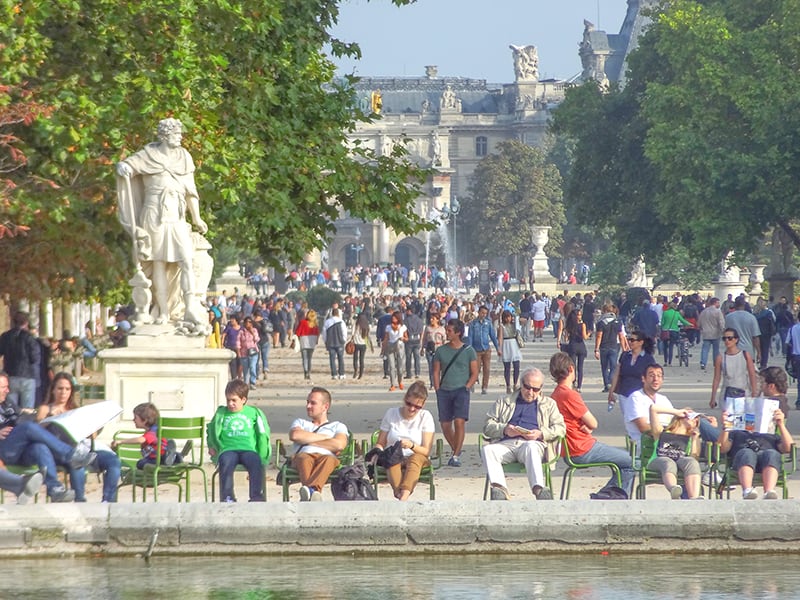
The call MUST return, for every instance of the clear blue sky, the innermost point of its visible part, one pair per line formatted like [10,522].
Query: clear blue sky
[470,38]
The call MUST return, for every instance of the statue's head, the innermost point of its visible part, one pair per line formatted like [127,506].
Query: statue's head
[170,131]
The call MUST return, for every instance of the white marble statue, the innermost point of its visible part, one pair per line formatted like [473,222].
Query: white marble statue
[155,188]
[436,149]
[449,101]
[728,271]
[526,62]
[638,273]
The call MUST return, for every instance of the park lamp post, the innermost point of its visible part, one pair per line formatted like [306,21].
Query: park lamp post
[451,213]
[433,217]
[357,247]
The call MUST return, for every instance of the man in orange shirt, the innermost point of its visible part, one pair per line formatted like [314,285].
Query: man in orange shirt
[580,422]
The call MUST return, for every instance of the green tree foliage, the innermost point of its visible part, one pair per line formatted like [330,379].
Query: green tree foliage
[510,192]
[265,123]
[699,150]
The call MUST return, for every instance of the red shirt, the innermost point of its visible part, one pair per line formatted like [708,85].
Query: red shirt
[572,408]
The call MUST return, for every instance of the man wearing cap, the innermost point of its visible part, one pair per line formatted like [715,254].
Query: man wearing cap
[711,324]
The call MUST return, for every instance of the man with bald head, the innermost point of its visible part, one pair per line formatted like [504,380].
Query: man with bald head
[523,428]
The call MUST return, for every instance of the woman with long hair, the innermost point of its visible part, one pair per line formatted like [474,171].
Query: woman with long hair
[677,448]
[433,336]
[393,350]
[735,368]
[507,338]
[632,365]
[308,333]
[576,336]
[60,399]
[360,339]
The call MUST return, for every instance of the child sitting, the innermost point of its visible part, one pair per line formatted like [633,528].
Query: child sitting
[677,448]
[145,416]
[239,434]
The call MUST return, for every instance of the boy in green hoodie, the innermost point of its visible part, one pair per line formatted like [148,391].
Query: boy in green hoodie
[239,434]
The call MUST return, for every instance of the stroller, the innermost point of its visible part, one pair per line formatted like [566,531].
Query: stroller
[682,346]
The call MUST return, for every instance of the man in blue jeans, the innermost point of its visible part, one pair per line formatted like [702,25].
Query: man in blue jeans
[580,423]
[28,443]
[481,334]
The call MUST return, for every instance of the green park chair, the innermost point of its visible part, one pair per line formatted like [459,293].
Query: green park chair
[287,474]
[566,484]
[426,474]
[516,467]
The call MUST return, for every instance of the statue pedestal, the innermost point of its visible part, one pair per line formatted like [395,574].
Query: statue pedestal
[176,373]
[782,284]
[723,288]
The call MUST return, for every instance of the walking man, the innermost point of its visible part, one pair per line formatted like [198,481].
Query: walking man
[481,334]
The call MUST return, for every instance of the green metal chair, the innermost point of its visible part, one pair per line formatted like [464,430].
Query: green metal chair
[517,467]
[90,394]
[287,474]
[20,470]
[425,475]
[152,476]
[731,477]
[707,459]
[238,469]
[566,484]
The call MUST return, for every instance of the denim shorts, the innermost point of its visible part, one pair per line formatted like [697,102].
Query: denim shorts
[453,404]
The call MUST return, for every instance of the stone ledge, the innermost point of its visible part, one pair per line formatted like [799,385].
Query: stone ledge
[468,526]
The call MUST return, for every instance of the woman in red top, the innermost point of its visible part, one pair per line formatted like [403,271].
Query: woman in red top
[308,333]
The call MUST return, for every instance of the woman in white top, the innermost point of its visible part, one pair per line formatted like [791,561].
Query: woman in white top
[412,426]
[734,367]
[507,338]
[393,350]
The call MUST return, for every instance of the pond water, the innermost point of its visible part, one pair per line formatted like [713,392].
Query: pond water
[493,576]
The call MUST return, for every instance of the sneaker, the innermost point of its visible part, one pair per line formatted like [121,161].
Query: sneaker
[455,461]
[676,492]
[543,494]
[605,389]
[61,494]
[498,493]
[169,456]
[81,457]
[702,367]
[771,495]
[31,484]
[229,500]
[341,376]
[483,392]
[391,388]
[316,496]
[749,494]
[305,493]
[400,385]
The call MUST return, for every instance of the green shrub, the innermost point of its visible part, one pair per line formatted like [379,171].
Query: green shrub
[320,298]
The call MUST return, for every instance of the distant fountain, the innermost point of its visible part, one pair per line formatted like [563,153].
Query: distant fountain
[449,259]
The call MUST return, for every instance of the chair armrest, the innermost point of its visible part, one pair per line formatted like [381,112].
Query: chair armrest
[438,453]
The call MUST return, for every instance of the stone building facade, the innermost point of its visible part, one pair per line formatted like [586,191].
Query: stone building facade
[451,123]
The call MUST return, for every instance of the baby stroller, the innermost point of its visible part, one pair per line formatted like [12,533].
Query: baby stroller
[683,348]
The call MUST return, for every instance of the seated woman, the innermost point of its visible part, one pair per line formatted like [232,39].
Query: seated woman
[677,448]
[413,427]
[756,453]
[60,399]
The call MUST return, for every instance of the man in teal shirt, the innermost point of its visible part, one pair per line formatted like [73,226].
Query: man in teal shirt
[239,434]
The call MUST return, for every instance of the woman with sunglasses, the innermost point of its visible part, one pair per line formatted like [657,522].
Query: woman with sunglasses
[735,369]
[413,427]
[632,365]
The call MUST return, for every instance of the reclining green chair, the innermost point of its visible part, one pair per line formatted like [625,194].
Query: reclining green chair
[566,484]
[425,475]
[287,474]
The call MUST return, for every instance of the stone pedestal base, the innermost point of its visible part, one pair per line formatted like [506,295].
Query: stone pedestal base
[782,284]
[177,374]
[723,288]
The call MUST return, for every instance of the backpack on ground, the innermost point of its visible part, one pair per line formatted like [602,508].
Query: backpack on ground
[351,484]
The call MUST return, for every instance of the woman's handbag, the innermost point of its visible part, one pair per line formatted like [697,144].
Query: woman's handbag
[518,336]
[350,347]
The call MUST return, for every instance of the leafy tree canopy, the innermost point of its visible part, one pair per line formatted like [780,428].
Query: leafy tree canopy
[700,149]
[511,191]
[264,122]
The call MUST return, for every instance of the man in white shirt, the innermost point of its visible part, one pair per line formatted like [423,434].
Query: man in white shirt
[317,442]
[636,407]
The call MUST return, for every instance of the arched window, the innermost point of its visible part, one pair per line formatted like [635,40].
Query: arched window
[481,145]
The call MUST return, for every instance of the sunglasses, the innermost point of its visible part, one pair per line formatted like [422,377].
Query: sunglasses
[413,406]
[728,338]
[532,388]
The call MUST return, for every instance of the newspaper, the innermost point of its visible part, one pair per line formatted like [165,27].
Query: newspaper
[751,414]
[82,422]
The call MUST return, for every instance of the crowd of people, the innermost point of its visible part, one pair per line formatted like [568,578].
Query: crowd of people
[458,337]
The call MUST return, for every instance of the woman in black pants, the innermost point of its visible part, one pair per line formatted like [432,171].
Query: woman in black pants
[576,335]
[360,339]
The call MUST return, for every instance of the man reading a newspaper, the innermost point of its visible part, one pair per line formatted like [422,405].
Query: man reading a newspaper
[753,452]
